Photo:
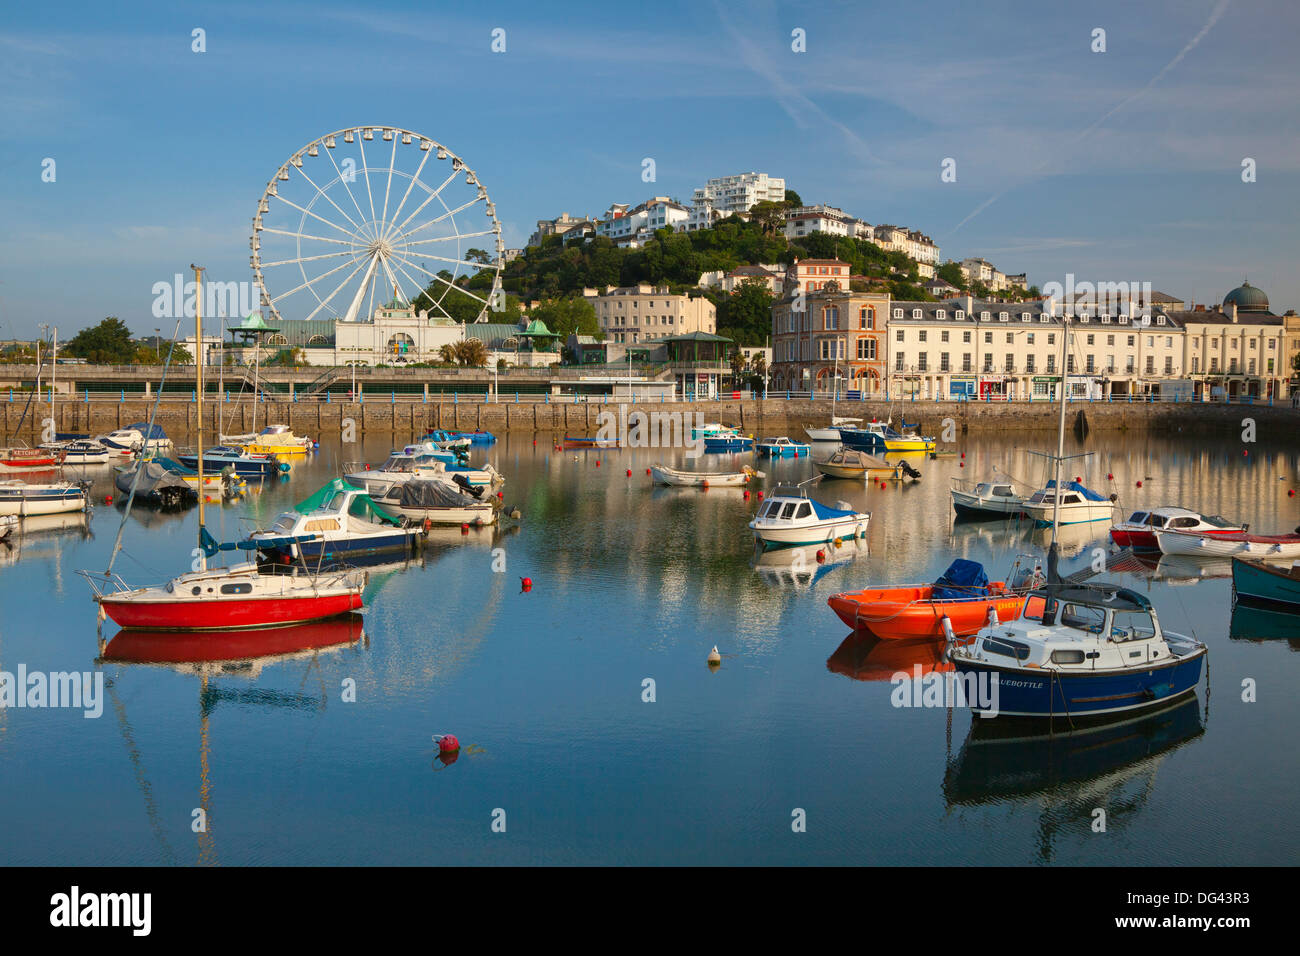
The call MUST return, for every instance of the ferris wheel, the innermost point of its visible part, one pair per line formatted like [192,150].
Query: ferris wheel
[348,222]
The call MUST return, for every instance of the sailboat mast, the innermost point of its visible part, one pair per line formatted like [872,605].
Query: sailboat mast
[198,377]
[1060,434]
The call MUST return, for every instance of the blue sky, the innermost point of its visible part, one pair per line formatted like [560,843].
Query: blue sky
[1117,165]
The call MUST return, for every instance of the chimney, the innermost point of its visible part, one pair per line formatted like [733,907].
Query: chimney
[1232,312]
[970,304]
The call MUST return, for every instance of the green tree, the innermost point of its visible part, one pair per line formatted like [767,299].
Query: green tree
[950,272]
[792,198]
[770,216]
[565,317]
[745,315]
[109,343]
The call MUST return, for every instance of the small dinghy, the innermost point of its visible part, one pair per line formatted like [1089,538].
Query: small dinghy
[1269,585]
[1244,544]
[29,459]
[790,517]
[22,499]
[663,475]
[963,594]
[783,447]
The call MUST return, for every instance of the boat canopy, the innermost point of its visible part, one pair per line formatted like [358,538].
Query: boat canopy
[826,512]
[151,432]
[433,494]
[362,506]
[963,579]
[211,546]
[1075,486]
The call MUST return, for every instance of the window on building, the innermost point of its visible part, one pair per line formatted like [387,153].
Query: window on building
[898,335]
[1010,364]
[943,335]
[898,361]
[1169,365]
[1069,364]
[916,313]
[1132,341]
[1110,340]
[988,361]
[1151,364]
[1029,364]
[965,362]
[921,335]
[941,313]
[960,314]
[1090,339]
[1129,365]
[988,338]
[921,362]
[1030,338]
[1051,338]
[943,362]
[1090,365]
[965,336]
[898,313]
[1051,363]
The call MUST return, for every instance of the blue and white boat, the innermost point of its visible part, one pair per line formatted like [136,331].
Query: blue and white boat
[477,438]
[424,460]
[719,437]
[1078,505]
[22,499]
[126,442]
[246,466]
[879,437]
[783,448]
[1075,650]
[446,439]
[791,518]
[339,524]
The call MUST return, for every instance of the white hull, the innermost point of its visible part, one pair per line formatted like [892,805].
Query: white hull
[1173,542]
[993,504]
[483,514]
[23,500]
[1074,513]
[823,434]
[814,532]
[698,479]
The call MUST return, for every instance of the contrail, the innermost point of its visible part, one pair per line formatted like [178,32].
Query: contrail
[1215,15]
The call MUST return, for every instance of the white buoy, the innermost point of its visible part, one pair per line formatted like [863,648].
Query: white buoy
[714,656]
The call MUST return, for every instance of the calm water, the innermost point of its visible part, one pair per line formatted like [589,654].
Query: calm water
[544,690]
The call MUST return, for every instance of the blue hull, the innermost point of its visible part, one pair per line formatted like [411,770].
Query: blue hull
[1024,693]
[1279,590]
[371,550]
[861,441]
[728,444]
[244,469]
[784,452]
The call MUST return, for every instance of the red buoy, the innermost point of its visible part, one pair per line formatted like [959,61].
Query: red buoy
[1139,484]
[464,528]
[1291,493]
[629,472]
[501,494]
[747,494]
[108,499]
[526,583]
[963,454]
[760,496]
[821,556]
[448,744]
[1109,476]
[647,471]
[598,463]
[1077,479]
[961,464]
[882,486]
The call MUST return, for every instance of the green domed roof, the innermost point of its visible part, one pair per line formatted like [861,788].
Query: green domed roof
[1248,298]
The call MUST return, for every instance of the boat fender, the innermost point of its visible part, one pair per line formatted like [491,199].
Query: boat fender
[949,636]
[515,514]
[838,542]
[715,658]
[1114,497]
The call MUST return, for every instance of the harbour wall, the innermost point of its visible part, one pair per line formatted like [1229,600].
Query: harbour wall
[756,417]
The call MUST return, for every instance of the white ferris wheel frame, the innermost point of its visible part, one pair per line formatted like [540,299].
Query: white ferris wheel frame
[372,243]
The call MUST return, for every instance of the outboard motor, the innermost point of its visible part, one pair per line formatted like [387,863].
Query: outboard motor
[464,484]
[909,470]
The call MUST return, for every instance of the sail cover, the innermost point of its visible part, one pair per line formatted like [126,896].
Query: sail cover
[963,579]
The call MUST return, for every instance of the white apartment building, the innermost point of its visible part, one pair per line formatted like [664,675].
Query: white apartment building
[644,314]
[1235,352]
[985,273]
[731,195]
[772,276]
[622,223]
[806,220]
[563,225]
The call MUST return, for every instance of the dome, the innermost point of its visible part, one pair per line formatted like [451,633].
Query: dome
[1247,298]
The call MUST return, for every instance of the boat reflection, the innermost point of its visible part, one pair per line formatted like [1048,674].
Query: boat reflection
[236,652]
[800,568]
[1065,775]
[43,536]
[867,657]
[1251,623]
[1173,569]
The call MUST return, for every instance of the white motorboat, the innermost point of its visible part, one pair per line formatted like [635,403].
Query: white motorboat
[663,475]
[125,442]
[790,517]
[1138,531]
[417,461]
[340,523]
[81,451]
[21,499]
[439,503]
[832,434]
[272,440]
[1244,544]
[1077,504]
[993,498]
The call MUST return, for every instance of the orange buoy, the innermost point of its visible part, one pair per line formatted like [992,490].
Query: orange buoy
[705,485]
[428,523]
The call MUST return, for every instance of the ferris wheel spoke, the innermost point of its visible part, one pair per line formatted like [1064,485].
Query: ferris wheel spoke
[365,168]
[332,225]
[374,278]
[309,283]
[460,235]
[327,198]
[337,289]
[430,198]
[360,294]
[292,262]
[391,278]
[344,180]
[461,262]
[392,161]
[409,186]
[303,235]
[434,275]
[420,289]
[433,222]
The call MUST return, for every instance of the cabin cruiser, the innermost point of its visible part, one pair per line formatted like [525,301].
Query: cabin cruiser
[987,499]
[78,451]
[272,440]
[424,460]
[1077,504]
[1139,531]
[245,465]
[832,433]
[125,442]
[21,499]
[338,524]
[783,447]
[879,437]
[790,517]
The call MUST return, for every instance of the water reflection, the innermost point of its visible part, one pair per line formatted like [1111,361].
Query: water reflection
[866,657]
[800,567]
[1250,623]
[1065,775]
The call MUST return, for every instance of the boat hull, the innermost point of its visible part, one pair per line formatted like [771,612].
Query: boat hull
[820,533]
[481,515]
[31,500]
[1043,694]
[1083,513]
[377,548]
[269,468]
[1276,588]
[907,613]
[698,479]
[822,434]
[227,614]
[1226,545]
[974,506]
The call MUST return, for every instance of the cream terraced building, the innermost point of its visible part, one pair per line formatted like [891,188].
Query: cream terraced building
[968,348]
[644,314]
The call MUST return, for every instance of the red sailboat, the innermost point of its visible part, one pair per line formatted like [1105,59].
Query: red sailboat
[230,598]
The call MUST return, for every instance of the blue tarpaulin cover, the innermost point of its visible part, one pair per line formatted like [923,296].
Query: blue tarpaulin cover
[963,579]
[151,432]
[1075,486]
[826,511]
